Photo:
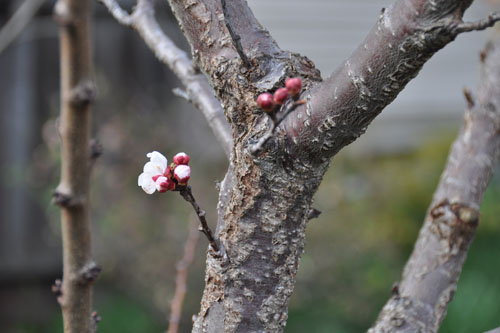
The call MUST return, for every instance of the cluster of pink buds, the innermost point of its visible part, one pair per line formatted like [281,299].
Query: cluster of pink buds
[268,103]
[158,176]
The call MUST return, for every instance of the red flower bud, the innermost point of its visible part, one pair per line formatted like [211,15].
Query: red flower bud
[181,159]
[294,85]
[164,184]
[280,95]
[265,102]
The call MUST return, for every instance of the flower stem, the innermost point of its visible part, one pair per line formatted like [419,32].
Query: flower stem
[187,194]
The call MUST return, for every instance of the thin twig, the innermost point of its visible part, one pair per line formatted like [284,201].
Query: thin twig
[276,120]
[187,194]
[234,36]
[18,22]
[181,278]
[181,93]
[479,25]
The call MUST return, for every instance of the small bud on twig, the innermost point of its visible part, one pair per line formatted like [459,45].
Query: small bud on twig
[294,86]
[280,96]
[265,102]
[181,159]
[182,173]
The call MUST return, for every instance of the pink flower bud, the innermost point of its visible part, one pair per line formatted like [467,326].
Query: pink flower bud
[181,159]
[182,173]
[294,85]
[280,95]
[164,184]
[265,102]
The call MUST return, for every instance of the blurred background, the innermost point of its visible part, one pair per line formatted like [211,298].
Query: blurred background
[373,198]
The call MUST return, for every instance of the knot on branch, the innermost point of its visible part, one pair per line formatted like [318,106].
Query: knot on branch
[454,223]
[82,94]
[89,273]
[469,98]
[56,288]
[62,14]
[313,213]
[462,213]
[96,149]
[66,200]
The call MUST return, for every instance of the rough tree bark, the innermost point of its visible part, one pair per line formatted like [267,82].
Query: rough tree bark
[266,197]
[72,194]
[431,275]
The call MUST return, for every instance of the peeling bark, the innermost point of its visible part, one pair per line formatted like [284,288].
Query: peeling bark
[431,275]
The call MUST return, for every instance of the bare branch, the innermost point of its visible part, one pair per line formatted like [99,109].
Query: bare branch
[220,56]
[478,25]
[406,35]
[143,21]
[18,22]
[181,278]
[187,194]
[118,13]
[431,275]
[72,194]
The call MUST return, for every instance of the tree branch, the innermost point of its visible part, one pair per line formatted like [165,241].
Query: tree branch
[219,56]
[181,278]
[264,213]
[479,25]
[406,35]
[18,22]
[431,275]
[72,194]
[187,195]
[143,21]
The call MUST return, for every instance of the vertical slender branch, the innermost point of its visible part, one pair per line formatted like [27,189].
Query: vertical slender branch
[181,278]
[72,194]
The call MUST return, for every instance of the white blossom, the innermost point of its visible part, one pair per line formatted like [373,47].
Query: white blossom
[153,173]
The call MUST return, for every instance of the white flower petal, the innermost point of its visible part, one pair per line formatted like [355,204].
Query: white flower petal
[147,183]
[153,169]
[158,158]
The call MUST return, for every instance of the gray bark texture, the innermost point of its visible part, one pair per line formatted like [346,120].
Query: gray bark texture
[265,198]
[431,275]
